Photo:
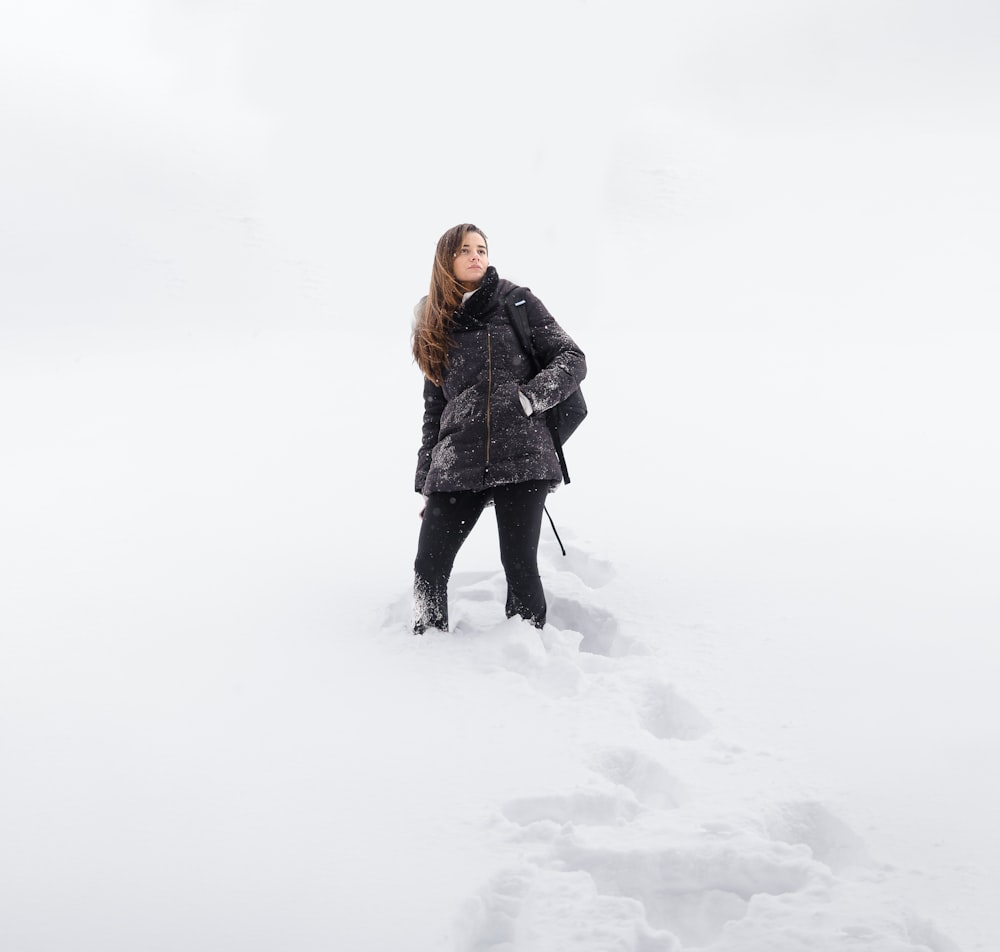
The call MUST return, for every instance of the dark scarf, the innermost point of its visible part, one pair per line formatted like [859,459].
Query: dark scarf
[470,314]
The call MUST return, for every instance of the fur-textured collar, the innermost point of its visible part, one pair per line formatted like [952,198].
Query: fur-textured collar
[470,312]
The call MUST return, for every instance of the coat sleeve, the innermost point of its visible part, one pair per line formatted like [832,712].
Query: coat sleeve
[563,363]
[434,401]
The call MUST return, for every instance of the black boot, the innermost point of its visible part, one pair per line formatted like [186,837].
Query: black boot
[430,605]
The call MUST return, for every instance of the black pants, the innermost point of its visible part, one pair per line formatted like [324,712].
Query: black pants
[448,520]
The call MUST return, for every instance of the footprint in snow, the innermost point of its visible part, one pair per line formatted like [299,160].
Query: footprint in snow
[599,627]
[811,824]
[547,910]
[667,715]
[630,886]
[592,570]
[652,785]
[691,885]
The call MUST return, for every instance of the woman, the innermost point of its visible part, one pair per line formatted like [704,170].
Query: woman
[484,432]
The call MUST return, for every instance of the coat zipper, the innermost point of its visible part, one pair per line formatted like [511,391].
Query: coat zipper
[489,394]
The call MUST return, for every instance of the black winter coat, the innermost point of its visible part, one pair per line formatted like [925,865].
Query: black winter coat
[476,434]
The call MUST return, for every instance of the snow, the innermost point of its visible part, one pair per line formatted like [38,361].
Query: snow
[762,715]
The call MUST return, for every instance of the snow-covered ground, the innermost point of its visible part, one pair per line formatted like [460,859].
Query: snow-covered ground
[763,714]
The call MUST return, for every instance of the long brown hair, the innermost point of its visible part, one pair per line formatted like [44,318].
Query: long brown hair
[432,333]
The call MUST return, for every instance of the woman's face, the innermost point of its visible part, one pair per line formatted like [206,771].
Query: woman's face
[471,260]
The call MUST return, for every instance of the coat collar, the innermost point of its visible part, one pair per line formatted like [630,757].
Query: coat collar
[470,312]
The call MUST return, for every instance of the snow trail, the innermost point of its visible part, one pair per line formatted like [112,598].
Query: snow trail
[663,834]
